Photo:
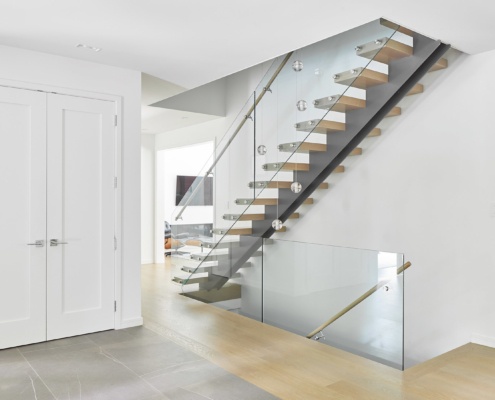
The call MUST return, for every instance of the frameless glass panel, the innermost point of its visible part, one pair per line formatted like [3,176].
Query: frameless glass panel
[304,109]
[305,286]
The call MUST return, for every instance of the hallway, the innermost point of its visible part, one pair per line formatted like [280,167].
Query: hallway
[188,350]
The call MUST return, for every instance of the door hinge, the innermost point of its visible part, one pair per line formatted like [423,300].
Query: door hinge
[114,243]
[115,306]
[115,118]
[115,182]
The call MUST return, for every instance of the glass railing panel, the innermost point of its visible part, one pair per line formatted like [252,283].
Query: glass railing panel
[296,108]
[207,252]
[305,285]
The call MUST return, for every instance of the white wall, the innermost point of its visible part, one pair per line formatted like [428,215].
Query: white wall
[427,188]
[147,198]
[44,69]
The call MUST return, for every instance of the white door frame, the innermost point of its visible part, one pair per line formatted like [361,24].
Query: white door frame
[118,169]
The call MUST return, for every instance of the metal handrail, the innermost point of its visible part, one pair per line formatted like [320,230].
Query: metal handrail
[246,117]
[356,302]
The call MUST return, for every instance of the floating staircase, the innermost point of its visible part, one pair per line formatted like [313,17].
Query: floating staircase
[406,66]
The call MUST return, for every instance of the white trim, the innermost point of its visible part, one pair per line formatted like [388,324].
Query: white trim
[130,323]
[118,213]
[55,89]
[483,340]
[118,323]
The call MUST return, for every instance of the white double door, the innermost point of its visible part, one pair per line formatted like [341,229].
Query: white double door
[57,207]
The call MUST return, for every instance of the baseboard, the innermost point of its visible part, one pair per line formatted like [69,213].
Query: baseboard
[130,323]
[147,261]
[483,340]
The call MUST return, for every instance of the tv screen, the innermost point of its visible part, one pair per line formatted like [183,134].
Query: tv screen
[186,186]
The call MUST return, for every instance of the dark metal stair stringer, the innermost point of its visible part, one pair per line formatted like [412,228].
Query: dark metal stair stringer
[403,75]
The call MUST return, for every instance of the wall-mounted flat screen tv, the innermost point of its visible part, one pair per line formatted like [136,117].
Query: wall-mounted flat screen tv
[187,184]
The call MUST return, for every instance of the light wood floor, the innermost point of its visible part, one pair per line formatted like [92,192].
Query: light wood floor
[292,367]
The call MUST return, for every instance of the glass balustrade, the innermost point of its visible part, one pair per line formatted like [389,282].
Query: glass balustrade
[307,285]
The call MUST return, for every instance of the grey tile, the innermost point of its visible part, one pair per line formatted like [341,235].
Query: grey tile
[184,375]
[54,344]
[18,381]
[121,335]
[87,374]
[156,397]
[140,331]
[150,354]
[228,387]
[63,350]
[183,394]
[110,337]
[10,356]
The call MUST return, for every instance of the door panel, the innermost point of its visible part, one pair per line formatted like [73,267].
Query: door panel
[81,169]
[23,217]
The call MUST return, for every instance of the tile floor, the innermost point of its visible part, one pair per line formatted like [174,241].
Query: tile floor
[129,364]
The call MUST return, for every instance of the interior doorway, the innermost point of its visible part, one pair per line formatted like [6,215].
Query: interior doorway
[178,170]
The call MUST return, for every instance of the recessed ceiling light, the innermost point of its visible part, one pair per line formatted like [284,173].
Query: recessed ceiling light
[86,46]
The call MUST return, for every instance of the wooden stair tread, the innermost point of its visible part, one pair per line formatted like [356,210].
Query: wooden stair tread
[339,169]
[244,217]
[361,78]
[268,201]
[229,291]
[417,89]
[369,78]
[374,133]
[440,64]
[288,166]
[190,281]
[356,152]
[303,147]
[396,111]
[396,27]
[393,50]
[339,103]
[384,50]
[253,217]
[283,185]
[233,231]
[322,126]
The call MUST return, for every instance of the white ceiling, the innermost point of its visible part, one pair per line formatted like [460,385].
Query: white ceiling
[192,42]
[156,120]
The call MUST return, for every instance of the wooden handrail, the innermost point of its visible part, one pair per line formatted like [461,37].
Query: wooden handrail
[356,302]
[239,127]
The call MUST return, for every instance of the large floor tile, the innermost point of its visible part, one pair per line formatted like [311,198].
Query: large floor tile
[10,356]
[183,394]
[228,387]
[55,344]
[87,374]
[110,337]
[146,355]
[18,381]
[183,375]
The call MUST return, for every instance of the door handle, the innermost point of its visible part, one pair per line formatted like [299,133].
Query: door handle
[55,242]
[37,243]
